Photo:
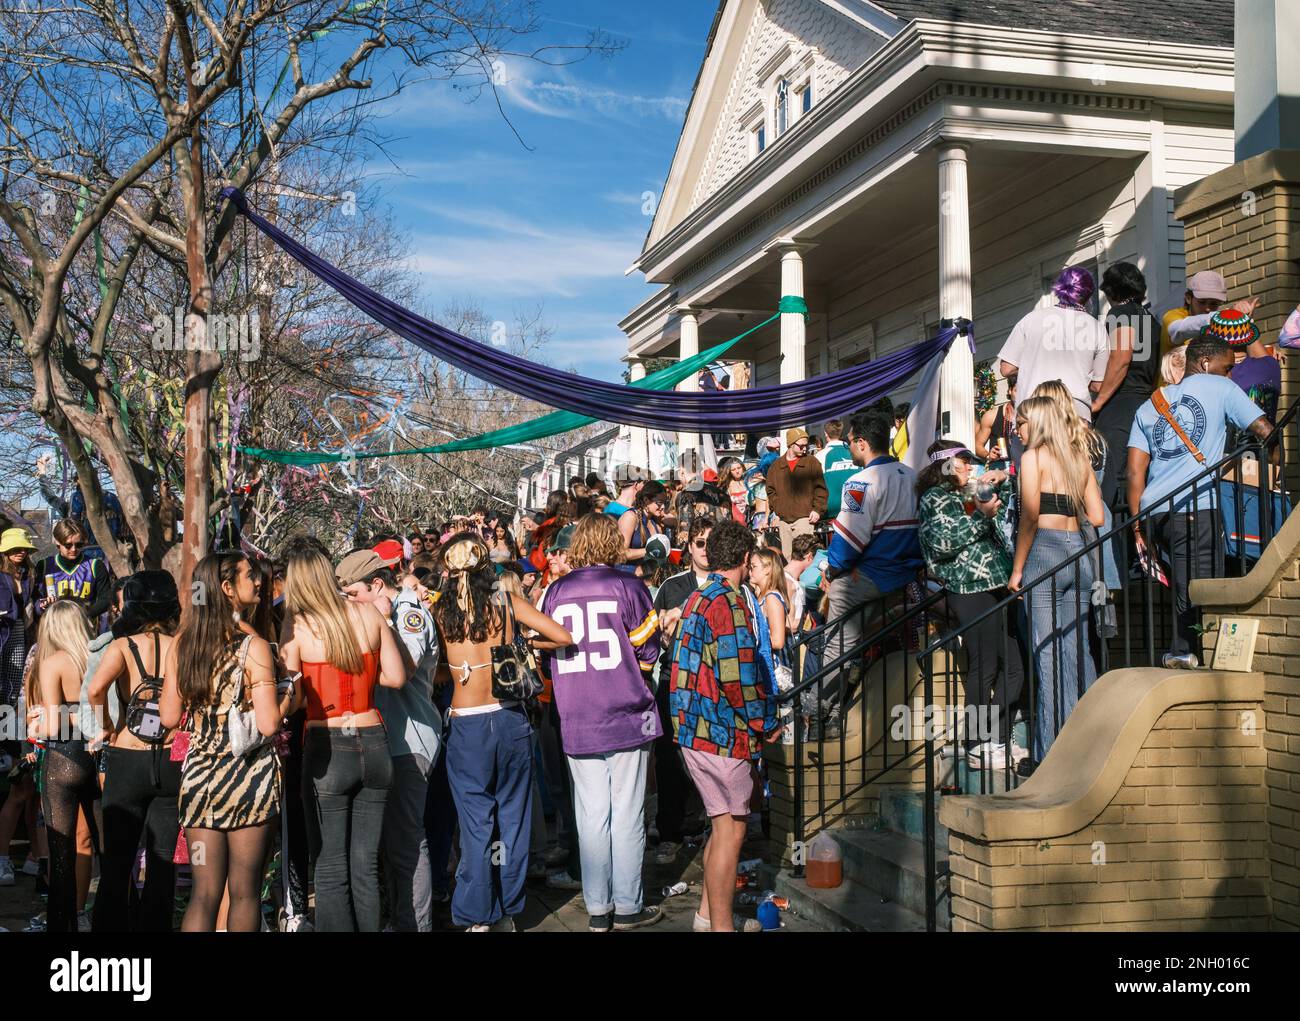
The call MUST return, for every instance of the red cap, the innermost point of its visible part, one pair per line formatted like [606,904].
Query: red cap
[709,475]
[390,551]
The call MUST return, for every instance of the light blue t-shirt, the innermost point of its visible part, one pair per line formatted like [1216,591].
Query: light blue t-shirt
[1202,404]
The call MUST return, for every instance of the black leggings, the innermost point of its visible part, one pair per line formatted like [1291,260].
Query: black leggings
[989,642]
[296,856]
[69,784]
[140,792]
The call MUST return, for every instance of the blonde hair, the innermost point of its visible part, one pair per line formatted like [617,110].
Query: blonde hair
[64,627]
[311,591]
[1050,429]
[596,540]
[1082,435]
[775,574]
[1175,359]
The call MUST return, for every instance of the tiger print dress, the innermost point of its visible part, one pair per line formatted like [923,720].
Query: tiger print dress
[219,790]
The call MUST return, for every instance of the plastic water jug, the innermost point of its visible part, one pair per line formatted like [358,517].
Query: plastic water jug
[825,864]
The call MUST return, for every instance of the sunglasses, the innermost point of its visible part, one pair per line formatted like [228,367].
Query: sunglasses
[700,543]
[73,545]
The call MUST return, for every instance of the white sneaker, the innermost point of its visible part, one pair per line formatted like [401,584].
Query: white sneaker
[32,867]
[6,873]
[561,880]
[479,928]
[987,755]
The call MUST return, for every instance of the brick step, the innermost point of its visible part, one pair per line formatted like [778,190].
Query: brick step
[850,907]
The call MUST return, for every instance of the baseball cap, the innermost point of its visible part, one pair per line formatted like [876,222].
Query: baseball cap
[563,539]
[793,436]
[358,565]
[626,474]
[1207,284]
[709,475]
[772,443]
[389,551]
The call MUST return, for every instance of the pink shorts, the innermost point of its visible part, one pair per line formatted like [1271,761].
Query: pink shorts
[726,786]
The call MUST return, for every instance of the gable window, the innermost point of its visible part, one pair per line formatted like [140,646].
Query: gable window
[782,119]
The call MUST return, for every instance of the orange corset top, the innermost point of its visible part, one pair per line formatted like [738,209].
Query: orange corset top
[332,693]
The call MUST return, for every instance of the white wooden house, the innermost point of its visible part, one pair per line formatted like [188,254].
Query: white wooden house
[901,162]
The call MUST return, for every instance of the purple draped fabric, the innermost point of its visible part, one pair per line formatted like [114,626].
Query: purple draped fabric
[763,409]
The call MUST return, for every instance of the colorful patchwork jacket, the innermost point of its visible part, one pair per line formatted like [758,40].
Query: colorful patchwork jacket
[719,700]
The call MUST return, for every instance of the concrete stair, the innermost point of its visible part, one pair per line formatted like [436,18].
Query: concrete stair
[884,868]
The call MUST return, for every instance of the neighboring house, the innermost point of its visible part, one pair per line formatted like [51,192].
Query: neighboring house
[539,479]
[907,161]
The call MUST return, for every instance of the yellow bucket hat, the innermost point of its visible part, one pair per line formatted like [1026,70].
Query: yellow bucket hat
[15,539]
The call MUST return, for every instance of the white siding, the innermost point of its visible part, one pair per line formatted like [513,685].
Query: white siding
[1014,245]
[842,48]
[1197,143]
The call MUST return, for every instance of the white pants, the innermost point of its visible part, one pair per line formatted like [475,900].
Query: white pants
[609,802]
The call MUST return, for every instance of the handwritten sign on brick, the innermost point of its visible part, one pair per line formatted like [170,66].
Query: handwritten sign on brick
[1235,647]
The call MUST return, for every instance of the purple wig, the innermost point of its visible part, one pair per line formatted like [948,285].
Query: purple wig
[1074,286]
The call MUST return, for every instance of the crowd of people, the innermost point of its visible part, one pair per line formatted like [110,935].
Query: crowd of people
[506,689]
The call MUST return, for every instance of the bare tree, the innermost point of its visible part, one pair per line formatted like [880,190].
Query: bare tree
[121,122]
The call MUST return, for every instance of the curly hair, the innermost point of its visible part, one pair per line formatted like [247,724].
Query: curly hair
[466,609]
[596,540]
[728,546]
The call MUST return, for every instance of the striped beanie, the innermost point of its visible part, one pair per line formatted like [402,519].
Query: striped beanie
[1232,326]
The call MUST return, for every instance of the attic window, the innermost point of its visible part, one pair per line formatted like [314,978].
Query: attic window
[760,139]
[805,98]
[782,119]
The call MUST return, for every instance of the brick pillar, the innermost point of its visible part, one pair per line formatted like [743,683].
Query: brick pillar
[1244,222]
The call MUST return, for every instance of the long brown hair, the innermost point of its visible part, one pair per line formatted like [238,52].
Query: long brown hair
[311,591]
[208,627]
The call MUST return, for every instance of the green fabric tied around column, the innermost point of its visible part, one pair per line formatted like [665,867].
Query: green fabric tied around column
[792,303]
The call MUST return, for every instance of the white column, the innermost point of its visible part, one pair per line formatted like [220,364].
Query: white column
[640,444]
[957,378]
[689,347]
[793,325]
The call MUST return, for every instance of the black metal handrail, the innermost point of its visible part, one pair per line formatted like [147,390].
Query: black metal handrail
[837,670]
[1209,478]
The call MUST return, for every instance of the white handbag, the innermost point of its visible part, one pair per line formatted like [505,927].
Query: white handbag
[241,723]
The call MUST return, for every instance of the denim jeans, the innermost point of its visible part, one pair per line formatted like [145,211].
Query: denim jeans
[490,770]
[1059,612]
[346,779]
[609,801]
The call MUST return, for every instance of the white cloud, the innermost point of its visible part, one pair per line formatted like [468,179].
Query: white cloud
[524,264]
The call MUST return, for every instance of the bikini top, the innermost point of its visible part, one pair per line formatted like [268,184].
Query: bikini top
[332,693]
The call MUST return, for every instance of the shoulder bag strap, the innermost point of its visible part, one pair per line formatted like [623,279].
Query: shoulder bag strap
[130,644]
[1162,405]
[238,696]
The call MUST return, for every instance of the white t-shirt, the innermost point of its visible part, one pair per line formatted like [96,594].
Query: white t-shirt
[1058,343]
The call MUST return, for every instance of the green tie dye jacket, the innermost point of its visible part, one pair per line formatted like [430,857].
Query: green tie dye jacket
[963,550]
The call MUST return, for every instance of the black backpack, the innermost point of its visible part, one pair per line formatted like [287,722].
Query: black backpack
[143,718]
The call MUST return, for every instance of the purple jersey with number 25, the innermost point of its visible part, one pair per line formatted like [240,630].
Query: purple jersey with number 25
[601,692]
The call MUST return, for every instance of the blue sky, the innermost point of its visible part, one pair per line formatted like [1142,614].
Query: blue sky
[560,224]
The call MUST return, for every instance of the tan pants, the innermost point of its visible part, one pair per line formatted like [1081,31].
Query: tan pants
[789,529]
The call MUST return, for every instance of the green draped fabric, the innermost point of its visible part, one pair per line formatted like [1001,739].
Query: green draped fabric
[548,425]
